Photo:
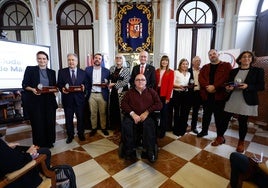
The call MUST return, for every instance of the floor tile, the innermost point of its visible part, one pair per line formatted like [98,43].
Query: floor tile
[99,147]
[191,175]
[186,161]
[178,148]
[89,174]
[139,174]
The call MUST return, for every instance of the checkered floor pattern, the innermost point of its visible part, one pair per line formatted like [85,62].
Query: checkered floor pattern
[186,161]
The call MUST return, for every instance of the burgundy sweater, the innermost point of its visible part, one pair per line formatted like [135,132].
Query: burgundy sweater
[139,103]
[220,78]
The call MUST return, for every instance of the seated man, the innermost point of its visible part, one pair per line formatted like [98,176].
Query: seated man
[243,166]
[14,157]
[137,105]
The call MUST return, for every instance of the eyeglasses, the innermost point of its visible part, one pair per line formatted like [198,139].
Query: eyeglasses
[118,57]
[139,80]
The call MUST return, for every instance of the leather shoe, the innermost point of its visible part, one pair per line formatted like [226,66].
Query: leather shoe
[81,137]
[105,132]
[195,131]
[93,132]
[201,134]
[69,139]
[240,146]
[151,157]
[218,141]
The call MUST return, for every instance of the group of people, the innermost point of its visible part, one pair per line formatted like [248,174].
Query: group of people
[220,90]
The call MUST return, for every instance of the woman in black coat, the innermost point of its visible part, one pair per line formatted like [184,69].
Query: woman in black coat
[41,107]
[243,86]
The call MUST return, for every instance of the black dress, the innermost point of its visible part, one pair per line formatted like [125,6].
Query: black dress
[115,116]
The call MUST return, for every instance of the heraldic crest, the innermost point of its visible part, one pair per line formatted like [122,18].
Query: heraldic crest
[134,28]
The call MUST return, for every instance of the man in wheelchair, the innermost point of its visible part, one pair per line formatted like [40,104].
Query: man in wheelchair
[138,106]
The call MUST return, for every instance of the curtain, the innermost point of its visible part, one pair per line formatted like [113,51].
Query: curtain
[184,45]
[203,45]
[85,47]
[11,35]
[27,37]
[67,45]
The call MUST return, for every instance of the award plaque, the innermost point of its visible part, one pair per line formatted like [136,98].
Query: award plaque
[190,85]
[101,85]
[233,84]
[46,89]
[69,88]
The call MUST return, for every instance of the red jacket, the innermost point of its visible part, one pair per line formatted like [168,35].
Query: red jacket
[166,83]
[221,77]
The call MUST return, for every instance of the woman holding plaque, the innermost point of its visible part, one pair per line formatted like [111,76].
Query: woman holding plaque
[181,98]
[243,86]
[119,78]
[39,85]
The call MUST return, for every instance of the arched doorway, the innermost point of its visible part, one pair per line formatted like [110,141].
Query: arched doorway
[16,22]
[75,32]
[195,30]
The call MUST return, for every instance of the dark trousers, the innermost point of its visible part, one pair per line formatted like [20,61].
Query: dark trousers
[170,111]
[163,118]
[242,121]
[43,121]
[69,111]
[114,111]
[182,107]
[212,107]
[196,103]
[129,133]
[242,168]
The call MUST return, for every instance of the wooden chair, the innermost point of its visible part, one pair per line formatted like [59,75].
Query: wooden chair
[9,107]
[48,176]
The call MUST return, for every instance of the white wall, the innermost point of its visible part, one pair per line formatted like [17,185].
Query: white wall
[246,24]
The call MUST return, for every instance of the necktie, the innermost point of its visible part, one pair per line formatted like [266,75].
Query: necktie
[73,77]
[142,69]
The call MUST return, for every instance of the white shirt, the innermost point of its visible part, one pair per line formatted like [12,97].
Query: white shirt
[96,79]
[75,72]
[196,82]
[180,79]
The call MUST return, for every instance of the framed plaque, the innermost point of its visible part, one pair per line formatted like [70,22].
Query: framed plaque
[101,85]
[46,89]
[69,88]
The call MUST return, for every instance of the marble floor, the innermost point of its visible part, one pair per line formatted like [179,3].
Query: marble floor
[187,161]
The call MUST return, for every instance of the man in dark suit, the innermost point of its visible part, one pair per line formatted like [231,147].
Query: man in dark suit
[97,77]
[144,68]
[73,101]
[195,92]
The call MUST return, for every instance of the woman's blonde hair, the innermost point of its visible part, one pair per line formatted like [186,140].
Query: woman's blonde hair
[181,61]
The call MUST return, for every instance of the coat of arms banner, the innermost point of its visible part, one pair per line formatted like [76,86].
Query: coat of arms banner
[134,28]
